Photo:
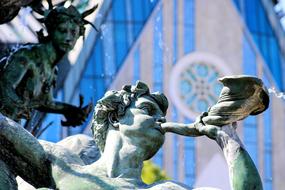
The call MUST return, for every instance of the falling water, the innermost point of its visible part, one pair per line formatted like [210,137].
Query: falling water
[277,94]
[161,43]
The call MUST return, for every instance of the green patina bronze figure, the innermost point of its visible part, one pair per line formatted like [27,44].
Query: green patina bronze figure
[129,127]
[28,74]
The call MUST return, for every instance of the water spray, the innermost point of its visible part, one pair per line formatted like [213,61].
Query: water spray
[277,94]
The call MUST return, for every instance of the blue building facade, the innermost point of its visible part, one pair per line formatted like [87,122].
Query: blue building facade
[257,21]
[259,26]
[124,21]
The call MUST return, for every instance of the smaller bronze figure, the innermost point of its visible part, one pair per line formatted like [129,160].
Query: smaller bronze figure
[29,73]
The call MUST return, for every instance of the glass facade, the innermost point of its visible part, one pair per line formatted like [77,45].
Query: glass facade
[188,47]
[175,26]
[137,63]
[250,123]
[158,44]
[118,32]
[251,137]
[188,28]
[189,44]
[158,66]
[264,37]
[258,24]
[52,133]
[267,143]
[190,159]
[174,118]
[174,112]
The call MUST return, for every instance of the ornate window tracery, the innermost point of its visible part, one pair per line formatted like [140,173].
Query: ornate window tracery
[193,84]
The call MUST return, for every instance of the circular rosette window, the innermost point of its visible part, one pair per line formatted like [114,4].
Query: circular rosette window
[193,83]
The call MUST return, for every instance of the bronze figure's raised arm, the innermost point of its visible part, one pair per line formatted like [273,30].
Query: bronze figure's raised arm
[240,97]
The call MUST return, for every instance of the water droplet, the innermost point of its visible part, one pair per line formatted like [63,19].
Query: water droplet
[160,43]
[103,27]
[277,94]
[158,19]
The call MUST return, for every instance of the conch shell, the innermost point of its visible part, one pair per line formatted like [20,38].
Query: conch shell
[242,95]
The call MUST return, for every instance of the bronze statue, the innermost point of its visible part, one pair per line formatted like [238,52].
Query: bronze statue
[128,127]
[29,73]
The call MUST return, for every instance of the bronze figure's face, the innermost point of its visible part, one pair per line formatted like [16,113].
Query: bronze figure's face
[65,35]
[65,25]
[136,114]
[141,125]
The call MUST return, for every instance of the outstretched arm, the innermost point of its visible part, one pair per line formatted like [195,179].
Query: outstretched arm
[74,115]
[243,173]
[23,154]
[191,129]
[181,129]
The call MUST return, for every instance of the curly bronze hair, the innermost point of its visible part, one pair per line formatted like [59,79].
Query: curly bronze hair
[116,103]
